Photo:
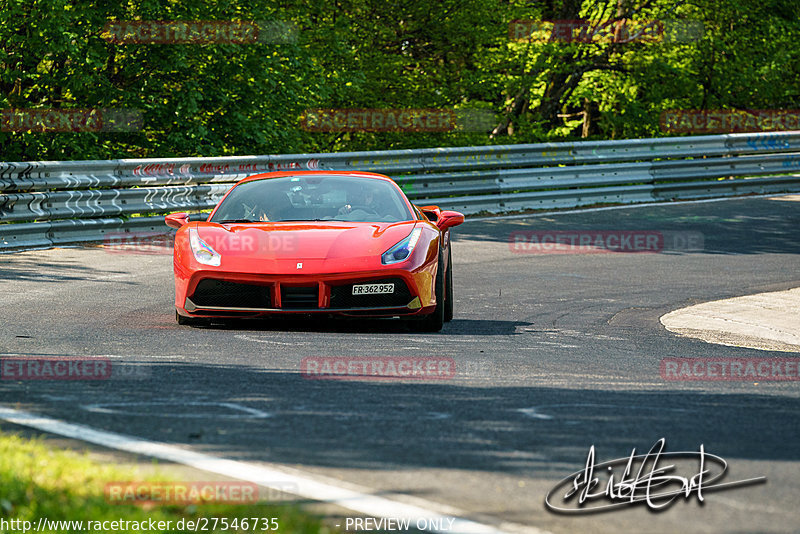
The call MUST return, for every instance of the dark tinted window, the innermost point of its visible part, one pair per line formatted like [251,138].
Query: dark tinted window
[315,197]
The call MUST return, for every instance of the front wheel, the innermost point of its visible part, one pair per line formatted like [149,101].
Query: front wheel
[435,321]
[448,298]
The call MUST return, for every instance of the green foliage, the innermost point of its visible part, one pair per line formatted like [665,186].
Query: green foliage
[39,482]
[241,99]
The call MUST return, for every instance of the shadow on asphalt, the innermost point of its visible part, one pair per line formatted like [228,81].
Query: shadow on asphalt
[383,424]
[747,226]
[21,267]
[457,327]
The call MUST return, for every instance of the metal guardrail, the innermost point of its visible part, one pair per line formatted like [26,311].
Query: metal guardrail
[57,203]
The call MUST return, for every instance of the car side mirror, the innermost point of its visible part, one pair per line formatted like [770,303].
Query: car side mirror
[448,219]
[431,212]
[176,220]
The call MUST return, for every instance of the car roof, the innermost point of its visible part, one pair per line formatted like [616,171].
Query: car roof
[280,174]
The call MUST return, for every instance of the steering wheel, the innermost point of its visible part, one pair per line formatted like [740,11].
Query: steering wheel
[365,209]
[249,211]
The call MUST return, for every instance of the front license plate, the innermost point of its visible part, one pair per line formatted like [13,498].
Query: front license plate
[373,289]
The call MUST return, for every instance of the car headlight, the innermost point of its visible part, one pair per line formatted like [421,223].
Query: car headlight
[202,251]
[403,249]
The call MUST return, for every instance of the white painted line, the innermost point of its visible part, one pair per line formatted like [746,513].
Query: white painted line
[609,208]
[531,412]
[268,341]
[127,359]
[125,408]
[25,250]
[760,507]
[267,475]
[535,412]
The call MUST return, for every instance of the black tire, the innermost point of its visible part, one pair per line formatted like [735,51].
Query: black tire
[190,321]
[435,321]
[448,298]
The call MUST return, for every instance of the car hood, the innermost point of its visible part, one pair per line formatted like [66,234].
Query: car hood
[321,246]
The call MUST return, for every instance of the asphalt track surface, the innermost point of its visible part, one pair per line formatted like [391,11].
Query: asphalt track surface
[553,353]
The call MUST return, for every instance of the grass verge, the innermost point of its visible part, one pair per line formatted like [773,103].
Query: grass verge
[37,481]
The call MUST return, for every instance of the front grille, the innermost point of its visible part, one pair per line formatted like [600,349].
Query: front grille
[298,298]
[342,296]
[212,293]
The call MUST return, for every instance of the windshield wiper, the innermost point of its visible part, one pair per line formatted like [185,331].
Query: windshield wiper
[229,221]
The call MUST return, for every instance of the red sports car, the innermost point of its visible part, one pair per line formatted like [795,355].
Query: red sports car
[315,242]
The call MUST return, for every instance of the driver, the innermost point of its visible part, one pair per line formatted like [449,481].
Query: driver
[360,199]
[277,208]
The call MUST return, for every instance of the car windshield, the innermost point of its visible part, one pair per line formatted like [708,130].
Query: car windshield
[314,198]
